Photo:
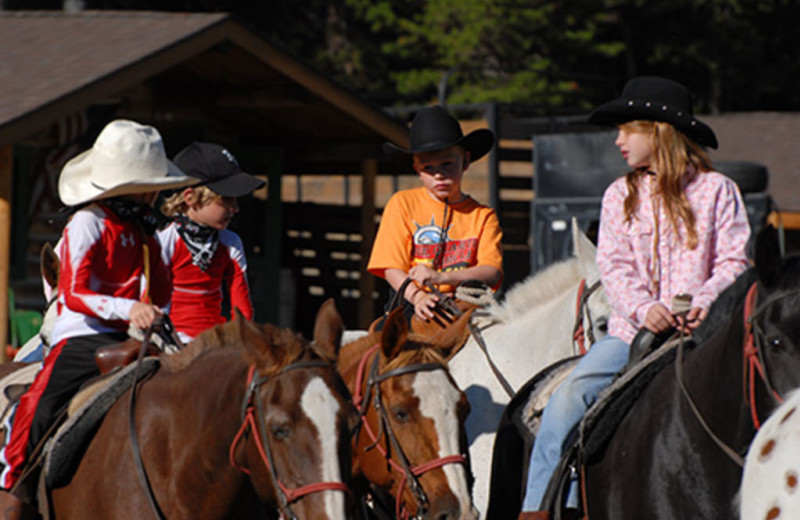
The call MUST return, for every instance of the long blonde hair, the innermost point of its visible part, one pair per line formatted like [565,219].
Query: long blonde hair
[674,157]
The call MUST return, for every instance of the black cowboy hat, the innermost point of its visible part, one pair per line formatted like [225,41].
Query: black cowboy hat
[434,129]
[651,98]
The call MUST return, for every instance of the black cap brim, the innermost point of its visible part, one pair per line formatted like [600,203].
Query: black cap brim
[237,185]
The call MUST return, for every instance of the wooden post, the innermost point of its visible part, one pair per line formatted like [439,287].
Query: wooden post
[5,241]
[366,284]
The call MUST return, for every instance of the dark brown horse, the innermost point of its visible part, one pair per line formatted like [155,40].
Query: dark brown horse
[245,422]
[411,443]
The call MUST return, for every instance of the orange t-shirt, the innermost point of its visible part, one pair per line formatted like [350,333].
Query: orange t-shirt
[410,233]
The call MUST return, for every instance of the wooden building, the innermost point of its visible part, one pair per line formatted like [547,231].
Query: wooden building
[203,77]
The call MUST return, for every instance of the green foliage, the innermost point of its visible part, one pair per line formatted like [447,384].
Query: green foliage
[733,54]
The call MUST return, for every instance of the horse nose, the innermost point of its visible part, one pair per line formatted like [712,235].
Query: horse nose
[444,508]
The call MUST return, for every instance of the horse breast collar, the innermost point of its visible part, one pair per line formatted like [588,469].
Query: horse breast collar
[409,474]
[252,406]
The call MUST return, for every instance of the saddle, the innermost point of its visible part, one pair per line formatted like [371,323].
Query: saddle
[601,420]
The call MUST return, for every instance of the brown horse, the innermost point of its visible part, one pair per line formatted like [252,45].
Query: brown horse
[411,443]
[248,421]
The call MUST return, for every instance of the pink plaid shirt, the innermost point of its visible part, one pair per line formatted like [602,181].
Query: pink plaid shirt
[625,251]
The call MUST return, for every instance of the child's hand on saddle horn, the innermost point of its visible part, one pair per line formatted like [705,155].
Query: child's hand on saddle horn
[142,315]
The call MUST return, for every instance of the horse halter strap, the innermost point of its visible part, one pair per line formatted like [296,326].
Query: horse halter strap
[754,349]
[409,474]
[252,405]
[579,333]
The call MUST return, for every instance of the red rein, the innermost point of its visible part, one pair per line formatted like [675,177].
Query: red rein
[292,495]
[580,334]
[417,470]
[752,363]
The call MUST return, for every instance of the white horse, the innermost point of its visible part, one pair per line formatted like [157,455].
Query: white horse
[771,477]
[529,330]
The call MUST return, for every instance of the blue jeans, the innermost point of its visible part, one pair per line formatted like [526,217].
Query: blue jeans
[566,407]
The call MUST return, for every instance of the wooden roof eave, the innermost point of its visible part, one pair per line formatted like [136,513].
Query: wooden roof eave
[225,29]
[373,118]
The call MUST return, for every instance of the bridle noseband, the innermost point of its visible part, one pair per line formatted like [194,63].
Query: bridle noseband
[410,474]
[252,406]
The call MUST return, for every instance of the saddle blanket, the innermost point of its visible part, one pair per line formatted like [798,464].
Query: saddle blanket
[66,448]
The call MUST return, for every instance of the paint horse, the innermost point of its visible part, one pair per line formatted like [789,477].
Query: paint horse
[411,442]
[534,326]
[772,468]
[247,421]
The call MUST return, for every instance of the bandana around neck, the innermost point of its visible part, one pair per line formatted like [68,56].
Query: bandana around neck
[133,211]
[200,240]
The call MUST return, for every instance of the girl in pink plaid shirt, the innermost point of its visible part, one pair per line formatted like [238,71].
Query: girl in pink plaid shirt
[669,226]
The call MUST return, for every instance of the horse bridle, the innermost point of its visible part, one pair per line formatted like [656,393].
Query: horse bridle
[753,359]
[582,310]
[410,474]
[253,406]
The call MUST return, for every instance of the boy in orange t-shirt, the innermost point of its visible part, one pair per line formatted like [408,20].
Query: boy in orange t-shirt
[437,234]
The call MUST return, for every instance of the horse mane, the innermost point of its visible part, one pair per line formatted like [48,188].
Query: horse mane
[537,289]
[261,349]
[722,308]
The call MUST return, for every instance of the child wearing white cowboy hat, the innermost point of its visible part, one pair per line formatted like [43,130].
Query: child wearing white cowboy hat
[437,234]
[202,253]
[111,276]
[670,226]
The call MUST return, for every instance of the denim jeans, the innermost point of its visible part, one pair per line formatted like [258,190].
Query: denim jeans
[566,407]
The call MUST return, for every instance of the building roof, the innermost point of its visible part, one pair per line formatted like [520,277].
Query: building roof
[53,63]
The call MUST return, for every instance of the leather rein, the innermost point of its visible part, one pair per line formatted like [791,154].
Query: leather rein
[753,360]
[253,418]
[372,392]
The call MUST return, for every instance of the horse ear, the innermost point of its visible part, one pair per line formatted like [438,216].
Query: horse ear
[458,334]
[257,340]
[49,265]
[768,256]
[585,251]
[394,333]
[328,329]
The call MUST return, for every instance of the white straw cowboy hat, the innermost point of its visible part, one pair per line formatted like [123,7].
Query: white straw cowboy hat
[126,158]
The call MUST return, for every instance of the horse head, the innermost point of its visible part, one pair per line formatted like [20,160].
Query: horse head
[301,416]
[595,307]
[775,317]
[412,439]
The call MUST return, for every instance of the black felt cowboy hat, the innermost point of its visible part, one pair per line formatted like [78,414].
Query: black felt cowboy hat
[651,98]
[434,129]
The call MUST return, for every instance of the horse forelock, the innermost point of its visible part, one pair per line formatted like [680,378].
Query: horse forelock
[538,289]
[416,350]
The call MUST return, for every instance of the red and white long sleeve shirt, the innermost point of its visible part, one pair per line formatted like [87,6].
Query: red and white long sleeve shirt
[197,294]
[103,273]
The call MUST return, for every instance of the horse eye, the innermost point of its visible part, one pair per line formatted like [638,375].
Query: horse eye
[774,342]
[280,431]
[602,325]
[400,414]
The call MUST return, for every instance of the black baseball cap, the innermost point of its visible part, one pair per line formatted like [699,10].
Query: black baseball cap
[217,169]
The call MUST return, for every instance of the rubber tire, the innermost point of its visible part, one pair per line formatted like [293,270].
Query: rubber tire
[751,177]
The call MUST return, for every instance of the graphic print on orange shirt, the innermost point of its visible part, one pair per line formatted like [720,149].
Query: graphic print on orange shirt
[430,239]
